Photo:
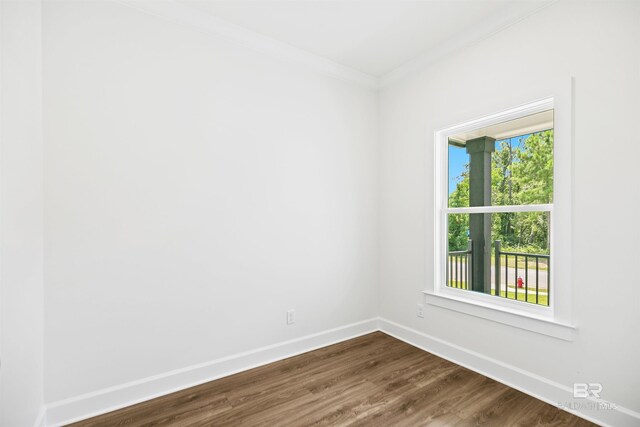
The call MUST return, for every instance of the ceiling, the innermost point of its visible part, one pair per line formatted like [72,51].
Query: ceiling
[373,37]
[521,126]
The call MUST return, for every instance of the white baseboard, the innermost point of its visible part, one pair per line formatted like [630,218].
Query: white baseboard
[41,420]
[512,376]
[112,398]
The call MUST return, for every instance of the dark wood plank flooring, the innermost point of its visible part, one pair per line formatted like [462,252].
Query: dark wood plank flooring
[373,380]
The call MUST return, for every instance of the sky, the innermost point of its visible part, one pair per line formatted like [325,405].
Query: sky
[458,158]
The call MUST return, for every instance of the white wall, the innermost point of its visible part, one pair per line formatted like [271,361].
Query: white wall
[597,43]
[194,190]
[21,244]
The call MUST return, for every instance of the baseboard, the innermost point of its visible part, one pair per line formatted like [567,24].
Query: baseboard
[599,412]
[41,420]
[113,398]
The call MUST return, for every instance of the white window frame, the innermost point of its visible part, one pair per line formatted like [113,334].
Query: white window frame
[554,320]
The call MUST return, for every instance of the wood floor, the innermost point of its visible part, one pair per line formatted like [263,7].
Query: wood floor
[373,380]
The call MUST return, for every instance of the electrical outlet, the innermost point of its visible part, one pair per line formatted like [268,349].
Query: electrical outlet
[420,310]
[291,317]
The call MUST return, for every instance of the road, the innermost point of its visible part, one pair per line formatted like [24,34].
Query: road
[529,278]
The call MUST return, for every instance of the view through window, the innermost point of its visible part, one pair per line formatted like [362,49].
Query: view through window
[506,251]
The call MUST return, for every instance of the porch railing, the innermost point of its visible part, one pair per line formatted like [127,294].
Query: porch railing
[516,275]
[527,269]
[459,268]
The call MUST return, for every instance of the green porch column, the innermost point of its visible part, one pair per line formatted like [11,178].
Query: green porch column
[479,150]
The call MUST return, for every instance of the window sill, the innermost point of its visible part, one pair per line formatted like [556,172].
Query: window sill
[544,326]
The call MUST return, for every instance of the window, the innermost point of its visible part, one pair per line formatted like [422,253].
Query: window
[495,212]
[502,252]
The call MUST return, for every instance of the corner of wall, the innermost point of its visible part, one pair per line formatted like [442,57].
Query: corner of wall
[21,214]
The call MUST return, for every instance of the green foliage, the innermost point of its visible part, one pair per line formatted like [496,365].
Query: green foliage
[519,175]
[459,224]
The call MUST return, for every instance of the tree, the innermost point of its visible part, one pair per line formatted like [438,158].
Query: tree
[520,174]
[459,224]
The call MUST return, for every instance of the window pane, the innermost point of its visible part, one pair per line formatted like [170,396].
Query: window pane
[505,254]
[516,169]
[459,254]
[458,177]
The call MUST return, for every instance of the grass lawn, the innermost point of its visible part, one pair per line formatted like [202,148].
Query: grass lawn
[542,263]
[542,299]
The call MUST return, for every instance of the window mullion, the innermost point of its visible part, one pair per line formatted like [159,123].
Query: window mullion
[500,209]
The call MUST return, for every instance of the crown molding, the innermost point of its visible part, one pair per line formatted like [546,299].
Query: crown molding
[512,14]
[183,14]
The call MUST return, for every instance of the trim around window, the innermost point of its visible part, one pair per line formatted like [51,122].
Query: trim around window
[555,319]
[486,310]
